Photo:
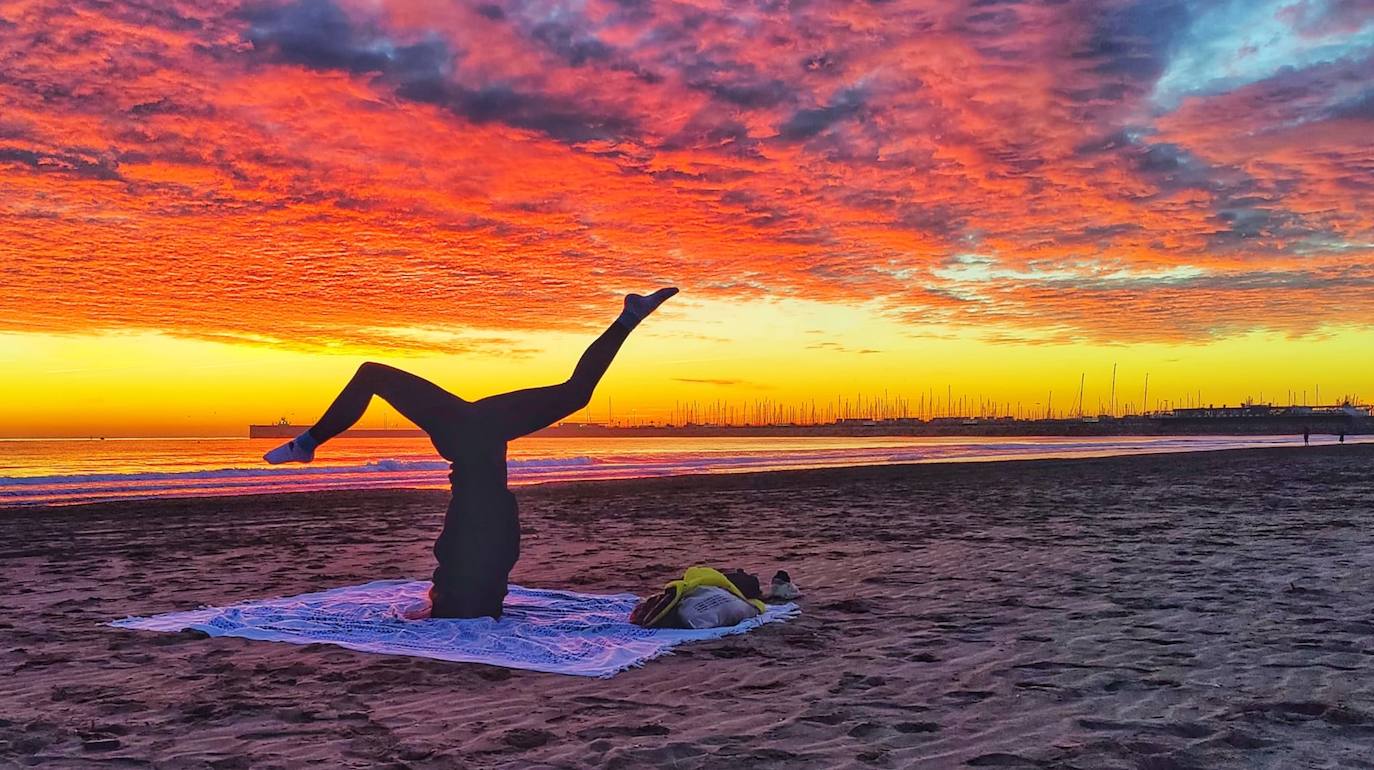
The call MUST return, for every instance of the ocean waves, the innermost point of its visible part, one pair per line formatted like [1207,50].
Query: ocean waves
[229,466]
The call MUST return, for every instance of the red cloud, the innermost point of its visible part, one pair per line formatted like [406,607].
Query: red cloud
[295,172]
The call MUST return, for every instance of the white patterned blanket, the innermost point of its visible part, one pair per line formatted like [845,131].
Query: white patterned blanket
[561,632]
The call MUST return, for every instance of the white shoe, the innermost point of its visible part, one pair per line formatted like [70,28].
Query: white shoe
[294,451]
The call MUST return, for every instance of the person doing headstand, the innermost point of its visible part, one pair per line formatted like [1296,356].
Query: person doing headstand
[480,541]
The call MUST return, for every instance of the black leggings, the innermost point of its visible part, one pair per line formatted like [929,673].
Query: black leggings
[449,420]
[480,542]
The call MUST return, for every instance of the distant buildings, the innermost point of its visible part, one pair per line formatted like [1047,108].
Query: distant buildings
[1240,419]
[1269,410]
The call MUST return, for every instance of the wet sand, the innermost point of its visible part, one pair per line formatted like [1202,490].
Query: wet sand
[1159,613]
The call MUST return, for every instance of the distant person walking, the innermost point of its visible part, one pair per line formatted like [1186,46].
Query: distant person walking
[1306,436]
[1342,438]
[480,541]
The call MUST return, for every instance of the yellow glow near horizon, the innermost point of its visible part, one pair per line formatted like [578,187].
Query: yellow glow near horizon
[786,351]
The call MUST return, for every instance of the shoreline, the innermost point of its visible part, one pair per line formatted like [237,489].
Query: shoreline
[687,478]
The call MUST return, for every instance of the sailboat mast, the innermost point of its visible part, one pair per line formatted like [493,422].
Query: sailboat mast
[1113,390]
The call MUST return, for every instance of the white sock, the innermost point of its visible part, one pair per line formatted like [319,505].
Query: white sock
[638,306]
[300,449]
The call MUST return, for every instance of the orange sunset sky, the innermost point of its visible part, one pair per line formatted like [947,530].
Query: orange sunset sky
[212,211]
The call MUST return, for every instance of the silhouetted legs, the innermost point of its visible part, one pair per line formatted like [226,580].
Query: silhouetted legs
[449,420]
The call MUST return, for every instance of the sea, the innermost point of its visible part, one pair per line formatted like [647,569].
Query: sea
[70,471]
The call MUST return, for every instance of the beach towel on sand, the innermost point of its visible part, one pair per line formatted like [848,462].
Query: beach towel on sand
[561,632]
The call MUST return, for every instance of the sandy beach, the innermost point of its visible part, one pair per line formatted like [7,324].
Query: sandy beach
[1160,612]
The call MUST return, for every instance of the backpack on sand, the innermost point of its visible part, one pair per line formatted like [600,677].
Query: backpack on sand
[660,610]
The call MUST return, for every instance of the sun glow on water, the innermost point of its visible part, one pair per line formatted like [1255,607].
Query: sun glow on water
[57,472]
